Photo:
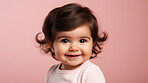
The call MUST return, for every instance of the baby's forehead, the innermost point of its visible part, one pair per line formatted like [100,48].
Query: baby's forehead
[80,28]
[69,29]
[79,31]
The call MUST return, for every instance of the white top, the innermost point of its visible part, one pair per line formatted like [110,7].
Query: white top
[86,73]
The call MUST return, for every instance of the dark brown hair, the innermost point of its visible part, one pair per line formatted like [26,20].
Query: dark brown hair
[67,18]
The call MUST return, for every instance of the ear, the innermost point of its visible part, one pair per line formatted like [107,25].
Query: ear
[94,43]
[50,44]
[52,49]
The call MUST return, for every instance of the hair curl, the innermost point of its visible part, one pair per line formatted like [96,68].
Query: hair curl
[66,18]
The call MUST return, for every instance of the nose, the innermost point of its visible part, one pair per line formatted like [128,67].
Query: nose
[73,47]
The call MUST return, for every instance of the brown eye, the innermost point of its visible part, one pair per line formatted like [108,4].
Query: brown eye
[65,41]
[83,40]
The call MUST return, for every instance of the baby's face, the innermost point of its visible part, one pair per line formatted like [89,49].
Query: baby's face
[74,47]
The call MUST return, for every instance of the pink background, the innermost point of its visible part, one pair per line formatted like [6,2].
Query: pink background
[124,57]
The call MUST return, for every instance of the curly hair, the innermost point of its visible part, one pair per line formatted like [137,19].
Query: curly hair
[67,18]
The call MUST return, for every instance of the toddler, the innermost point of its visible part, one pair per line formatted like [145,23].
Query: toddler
[71,36]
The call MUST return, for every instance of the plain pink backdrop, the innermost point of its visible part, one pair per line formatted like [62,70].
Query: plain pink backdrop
[124,57]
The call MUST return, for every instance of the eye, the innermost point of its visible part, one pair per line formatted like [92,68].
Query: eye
[65,41]
[83,40]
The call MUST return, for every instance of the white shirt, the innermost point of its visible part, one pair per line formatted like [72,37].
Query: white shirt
[86,73]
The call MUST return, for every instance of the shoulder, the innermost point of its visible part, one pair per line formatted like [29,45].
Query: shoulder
[50,72]
[52,68]
[93,74]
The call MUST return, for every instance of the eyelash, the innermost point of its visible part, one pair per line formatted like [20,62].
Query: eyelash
[83,41]
[66,40]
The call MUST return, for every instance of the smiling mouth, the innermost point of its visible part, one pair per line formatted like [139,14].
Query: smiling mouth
[73,55]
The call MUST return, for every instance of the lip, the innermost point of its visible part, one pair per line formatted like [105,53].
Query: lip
[72,55]
[77,55]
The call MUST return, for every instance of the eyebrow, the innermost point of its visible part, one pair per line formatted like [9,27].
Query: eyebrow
[62,37]
[69,37]
[86,37]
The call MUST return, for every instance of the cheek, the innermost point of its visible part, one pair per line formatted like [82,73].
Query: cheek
[59,49]
[88,49]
